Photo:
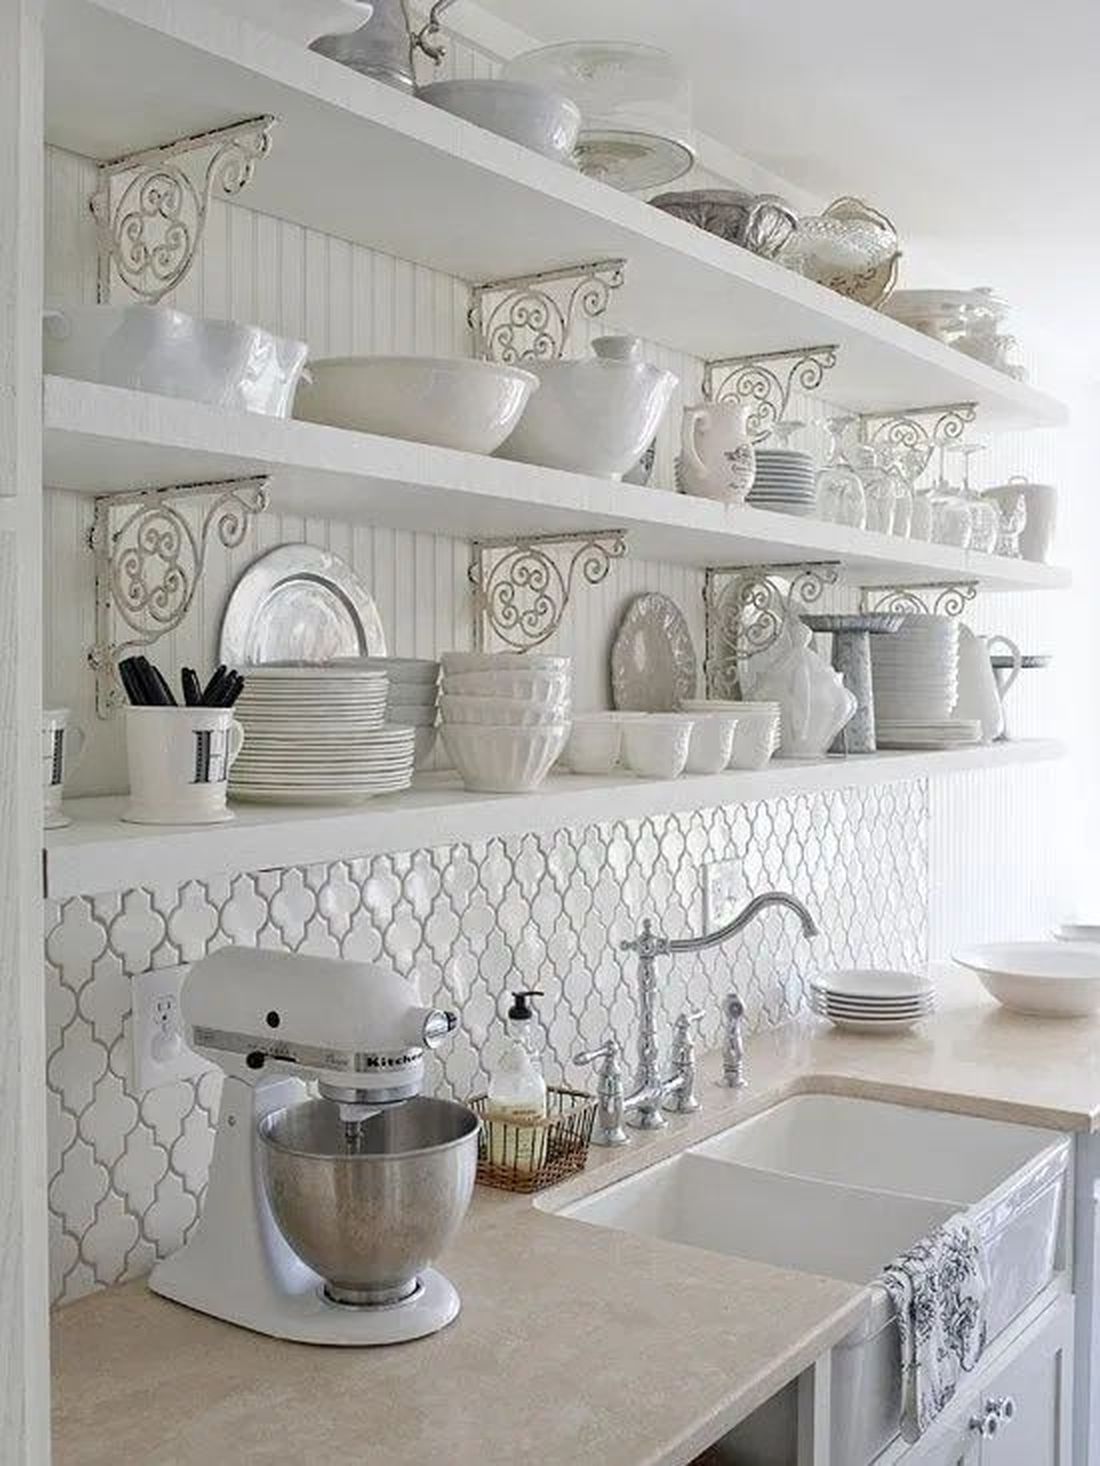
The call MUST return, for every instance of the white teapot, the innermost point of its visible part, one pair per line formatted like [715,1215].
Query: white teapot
[813,701]
[717,459]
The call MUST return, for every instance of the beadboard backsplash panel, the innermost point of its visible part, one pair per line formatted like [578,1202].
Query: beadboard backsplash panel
[127,1173]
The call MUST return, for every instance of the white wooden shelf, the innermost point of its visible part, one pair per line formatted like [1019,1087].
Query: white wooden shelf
[100,440]
[364,162]
[98,852]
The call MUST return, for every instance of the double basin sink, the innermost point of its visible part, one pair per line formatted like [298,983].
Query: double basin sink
[839,1187]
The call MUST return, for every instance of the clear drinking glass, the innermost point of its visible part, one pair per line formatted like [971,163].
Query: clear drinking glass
[880,485]
[985,518]
[840,496]
[1013,524]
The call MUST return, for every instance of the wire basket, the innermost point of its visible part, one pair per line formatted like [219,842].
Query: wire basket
[534,1154]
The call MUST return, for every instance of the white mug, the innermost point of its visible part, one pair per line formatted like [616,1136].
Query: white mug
[179,760]
[62,746]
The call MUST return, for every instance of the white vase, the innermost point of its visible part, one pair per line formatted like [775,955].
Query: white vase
[717,459]
[814,703]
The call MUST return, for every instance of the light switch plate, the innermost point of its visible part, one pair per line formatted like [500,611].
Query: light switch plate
[160,1054]
[723,892]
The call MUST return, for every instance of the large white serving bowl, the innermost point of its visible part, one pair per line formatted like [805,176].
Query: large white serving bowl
[451,402]
[155,348]
[503,760]
[596,416]
[1048,979]
[534,116]
[302,21]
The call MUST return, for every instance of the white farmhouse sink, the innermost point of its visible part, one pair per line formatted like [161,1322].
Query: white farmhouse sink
[839,1187]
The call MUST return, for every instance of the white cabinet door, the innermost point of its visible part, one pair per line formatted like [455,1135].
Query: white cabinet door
[1031,1396]
[954,1445]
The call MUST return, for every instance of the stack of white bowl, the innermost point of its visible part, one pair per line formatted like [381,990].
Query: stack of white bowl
[315,734]
[785,482]
[916,685]
[413,699]
[505,717]
[756,735]
[872,1001]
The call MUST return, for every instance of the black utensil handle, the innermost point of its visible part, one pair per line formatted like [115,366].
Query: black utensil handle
[210,691]
[167,697]
[150,693]
[192,692]
[131,682]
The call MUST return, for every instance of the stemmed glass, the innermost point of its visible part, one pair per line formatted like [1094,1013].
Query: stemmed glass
[985,517]
[840,495]
[951,521]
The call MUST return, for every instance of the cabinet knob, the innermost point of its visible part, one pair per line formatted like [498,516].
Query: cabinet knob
[986,1425]
[1002,1406]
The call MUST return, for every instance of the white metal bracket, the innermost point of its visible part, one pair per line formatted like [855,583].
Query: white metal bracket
[150,210]
[529,318]
[745,609]
[149,559]
[765,382]
[521,591]
[942,598]
[915,433]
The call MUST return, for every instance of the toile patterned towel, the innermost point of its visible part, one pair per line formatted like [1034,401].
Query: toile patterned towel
[939,1289]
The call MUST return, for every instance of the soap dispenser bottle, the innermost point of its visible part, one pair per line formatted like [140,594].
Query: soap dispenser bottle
[517,1093]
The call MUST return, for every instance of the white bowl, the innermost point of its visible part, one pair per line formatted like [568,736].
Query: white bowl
[755,739]
[460,662]
[451,402]
[596,416]
[302,21]
[595,745]
[534,116]
[411,715]
[711,745]
[534,686]
[656,746]
[500,760]
[1048,979]
[155,348]
[519,712]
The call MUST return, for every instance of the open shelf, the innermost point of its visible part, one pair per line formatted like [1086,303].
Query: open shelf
[100,440]
[98,852]
[364,162]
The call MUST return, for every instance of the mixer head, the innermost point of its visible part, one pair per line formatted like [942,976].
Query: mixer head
[358,1028]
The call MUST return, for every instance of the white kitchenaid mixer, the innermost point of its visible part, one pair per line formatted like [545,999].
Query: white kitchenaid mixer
[322,1215]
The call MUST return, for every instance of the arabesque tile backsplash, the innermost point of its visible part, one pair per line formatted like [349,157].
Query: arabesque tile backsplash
[127,1174]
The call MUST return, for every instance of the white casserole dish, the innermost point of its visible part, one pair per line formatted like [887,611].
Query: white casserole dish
[156,348]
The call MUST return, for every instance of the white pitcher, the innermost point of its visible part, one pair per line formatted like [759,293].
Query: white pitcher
[979,696]
[717,459]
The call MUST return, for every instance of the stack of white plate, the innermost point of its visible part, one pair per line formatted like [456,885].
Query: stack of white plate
[785,481]
[505,716]
[867,1000]
[916,685]
[413,700]
[316,735]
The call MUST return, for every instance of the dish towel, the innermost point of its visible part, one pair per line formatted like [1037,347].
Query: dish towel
[938,1289]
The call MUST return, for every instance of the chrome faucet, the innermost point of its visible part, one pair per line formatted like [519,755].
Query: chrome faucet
[652,1094]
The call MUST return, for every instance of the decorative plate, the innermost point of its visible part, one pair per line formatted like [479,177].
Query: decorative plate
[299,604]
[852,248]
[653,663]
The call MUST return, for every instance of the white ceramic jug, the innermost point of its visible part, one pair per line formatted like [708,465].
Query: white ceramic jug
[979,697]
[717,459]
[814,703]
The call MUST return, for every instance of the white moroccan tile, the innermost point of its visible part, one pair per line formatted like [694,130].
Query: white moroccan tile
[190,1156]
[75,943]
[108,1240]
[78,1188]
[193,922]
[136,1174]
[244,914]
[107,1124]
[76,1067]
[165,1108]
[137,931]
[171,1214]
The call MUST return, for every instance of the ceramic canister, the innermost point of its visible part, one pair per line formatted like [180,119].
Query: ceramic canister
[62,745]
[179,761]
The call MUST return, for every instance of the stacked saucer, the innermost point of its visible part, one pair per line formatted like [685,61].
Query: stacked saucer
[869,1000]
[915,673]
[413,700]
[785,482]
[315,734]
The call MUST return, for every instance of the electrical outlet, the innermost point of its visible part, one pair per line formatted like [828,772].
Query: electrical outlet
[723,893]
[160,1054]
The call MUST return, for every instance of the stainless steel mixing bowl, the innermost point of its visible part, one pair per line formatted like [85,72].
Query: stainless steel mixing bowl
[369,1207]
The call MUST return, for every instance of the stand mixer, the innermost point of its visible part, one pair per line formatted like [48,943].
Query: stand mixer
[322,1215]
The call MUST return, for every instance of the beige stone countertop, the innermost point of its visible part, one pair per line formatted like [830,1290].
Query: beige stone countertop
[575,1345]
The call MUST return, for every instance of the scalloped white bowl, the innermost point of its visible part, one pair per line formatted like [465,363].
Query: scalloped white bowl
[514,712]
[498,760]
[531,686]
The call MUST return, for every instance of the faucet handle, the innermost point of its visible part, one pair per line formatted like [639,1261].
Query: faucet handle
[733,1041]
[648,943]
[682,1098]
[608,1129]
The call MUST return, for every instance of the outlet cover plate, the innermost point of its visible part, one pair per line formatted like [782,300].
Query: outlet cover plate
[159,1052]
[723,892]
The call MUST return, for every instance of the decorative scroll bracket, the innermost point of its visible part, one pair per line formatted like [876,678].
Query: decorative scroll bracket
[917,432]
[521,591]
[942,598]
[746,608]
[150,212]
[765,382]
[149,560]
[526,319]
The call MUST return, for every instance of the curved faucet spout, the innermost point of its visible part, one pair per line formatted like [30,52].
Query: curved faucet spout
[741,921]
